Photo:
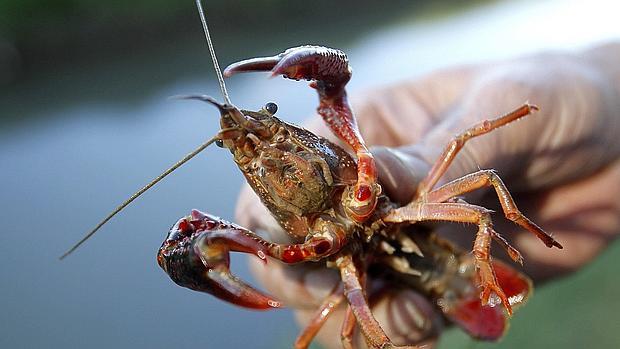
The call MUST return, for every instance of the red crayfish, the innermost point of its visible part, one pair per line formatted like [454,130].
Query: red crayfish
[330,203]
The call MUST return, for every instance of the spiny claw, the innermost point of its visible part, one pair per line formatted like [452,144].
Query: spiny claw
[314,63]
[196,255]
[252,65]
[303,62]
[216,233]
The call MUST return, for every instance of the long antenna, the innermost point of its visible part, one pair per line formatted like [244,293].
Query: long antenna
[218,72]
[178,163]
[140,192]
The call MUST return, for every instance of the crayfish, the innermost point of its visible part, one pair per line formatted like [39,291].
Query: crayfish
[330,203]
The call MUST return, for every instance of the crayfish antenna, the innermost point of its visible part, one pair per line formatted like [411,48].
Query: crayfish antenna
[140,192]
[203,98]
[188,156]
[218,72]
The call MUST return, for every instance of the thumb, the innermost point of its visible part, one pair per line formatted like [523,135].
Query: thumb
[400,171]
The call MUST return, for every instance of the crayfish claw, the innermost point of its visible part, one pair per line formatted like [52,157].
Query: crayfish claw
[196,255]
[329,71]
[251,65]
[303,62]
[314,63]
[230,288]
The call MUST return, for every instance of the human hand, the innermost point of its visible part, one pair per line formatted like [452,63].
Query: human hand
[561,165]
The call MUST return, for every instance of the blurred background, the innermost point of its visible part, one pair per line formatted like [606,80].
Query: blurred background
[85,121]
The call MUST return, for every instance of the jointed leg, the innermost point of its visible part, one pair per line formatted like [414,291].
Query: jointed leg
[456,212]
[322,314]
[457,143]
[320,317]
[372,331]
[486,178]
[348,329]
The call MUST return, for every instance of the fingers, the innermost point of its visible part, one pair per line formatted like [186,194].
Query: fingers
[406,317]
[583,215]
[558,159]
[572,136]
[399,172]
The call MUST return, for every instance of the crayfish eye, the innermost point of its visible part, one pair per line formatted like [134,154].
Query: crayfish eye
[271,108]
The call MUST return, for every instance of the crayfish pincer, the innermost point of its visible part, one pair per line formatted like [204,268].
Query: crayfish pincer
[331,206]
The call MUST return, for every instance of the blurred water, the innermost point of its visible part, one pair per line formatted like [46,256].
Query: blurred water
[71,161]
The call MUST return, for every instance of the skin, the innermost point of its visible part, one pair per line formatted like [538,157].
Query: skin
[562,166]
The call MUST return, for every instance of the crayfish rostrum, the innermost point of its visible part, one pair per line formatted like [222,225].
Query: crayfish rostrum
[331,205]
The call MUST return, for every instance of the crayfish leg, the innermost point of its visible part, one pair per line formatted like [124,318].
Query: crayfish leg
[330,303]
[486,322]
[489,178]
[465,213]
[348,329]
[374,335]
[458,142]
